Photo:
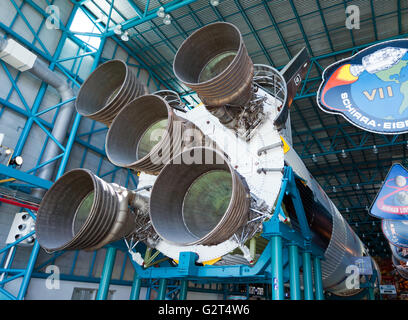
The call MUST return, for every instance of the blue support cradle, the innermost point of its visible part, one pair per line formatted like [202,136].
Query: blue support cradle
[273,264]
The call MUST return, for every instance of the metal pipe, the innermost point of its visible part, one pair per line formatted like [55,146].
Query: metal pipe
[199,179]
[106,273]
[318,283]
[19,204]
[7,263]
[307,276]
[277,268]
[136,286]
[27,61]
[295,293]
[62,122]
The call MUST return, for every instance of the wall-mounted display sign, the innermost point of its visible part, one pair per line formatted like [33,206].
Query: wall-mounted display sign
[370,89]
[396,232]
[391,201]
[388,289]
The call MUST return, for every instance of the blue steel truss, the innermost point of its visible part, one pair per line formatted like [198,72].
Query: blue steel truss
[354,179]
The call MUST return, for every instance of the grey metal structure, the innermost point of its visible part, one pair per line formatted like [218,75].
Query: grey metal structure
[180,195]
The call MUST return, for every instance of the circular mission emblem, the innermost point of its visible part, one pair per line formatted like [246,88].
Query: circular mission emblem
[370,89]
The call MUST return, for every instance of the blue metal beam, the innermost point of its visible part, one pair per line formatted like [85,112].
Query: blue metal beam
[22,176]
[106,274]
[169,7]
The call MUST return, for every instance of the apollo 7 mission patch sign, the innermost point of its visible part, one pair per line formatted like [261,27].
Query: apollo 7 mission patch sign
[370,89]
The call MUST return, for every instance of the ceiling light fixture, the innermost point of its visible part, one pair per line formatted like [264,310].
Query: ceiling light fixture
[118,30]
[125,36]
[214,3]
[167,19]
[18,161]
[160,12]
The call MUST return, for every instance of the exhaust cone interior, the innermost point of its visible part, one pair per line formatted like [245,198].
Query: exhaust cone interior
[140,136]
[82,212]
[198,198]
[151,137]
[212,191]
[216,65]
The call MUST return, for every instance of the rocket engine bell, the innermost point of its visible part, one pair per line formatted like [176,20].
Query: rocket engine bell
[199,179]
[107,90]
[147,133]
[82,212]
[221,71]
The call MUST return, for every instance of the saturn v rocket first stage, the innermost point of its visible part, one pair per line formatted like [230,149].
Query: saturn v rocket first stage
[209,176]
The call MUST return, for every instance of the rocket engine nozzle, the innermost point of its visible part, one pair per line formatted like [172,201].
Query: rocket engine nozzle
[82,212]
[215,63]
[107,90]
[199,198]
[146,134]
